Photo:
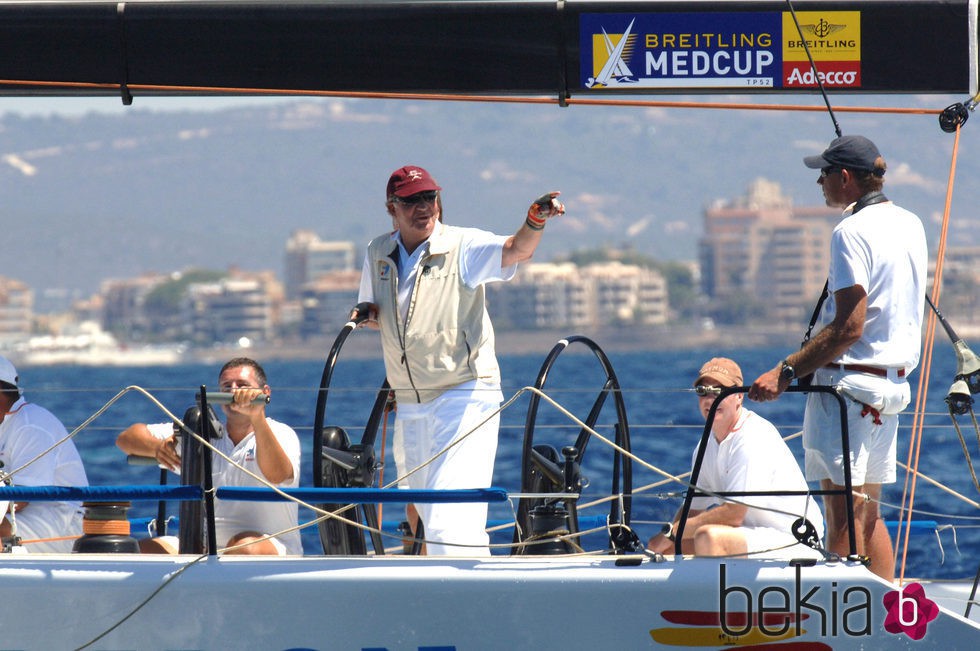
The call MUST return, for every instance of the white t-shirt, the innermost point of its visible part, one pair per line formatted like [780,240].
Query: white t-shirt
[232,516]
[753,457]
[27,431]
[883,249]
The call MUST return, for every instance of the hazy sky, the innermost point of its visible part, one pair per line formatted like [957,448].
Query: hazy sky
[113,104]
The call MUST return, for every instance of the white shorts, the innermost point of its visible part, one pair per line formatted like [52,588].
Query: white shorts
[872,446]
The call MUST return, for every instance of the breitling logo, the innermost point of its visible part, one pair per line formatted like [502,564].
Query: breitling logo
[820,35]
[822,29]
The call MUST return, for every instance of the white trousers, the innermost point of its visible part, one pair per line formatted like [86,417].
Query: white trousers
[422,431]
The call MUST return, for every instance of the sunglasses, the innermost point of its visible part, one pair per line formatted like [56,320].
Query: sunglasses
[703,390]
[830,169]
[428,196]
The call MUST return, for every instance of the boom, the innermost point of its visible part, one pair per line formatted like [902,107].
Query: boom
[500,47]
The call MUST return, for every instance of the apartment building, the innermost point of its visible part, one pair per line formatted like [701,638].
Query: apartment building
[307,257]
[239,307]
[564,295]
[124,306]
[761,249]
[327,301]
[16,310]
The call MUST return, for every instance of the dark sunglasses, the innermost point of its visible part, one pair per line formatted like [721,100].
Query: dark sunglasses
[830,169]
[429,196]
[703,390]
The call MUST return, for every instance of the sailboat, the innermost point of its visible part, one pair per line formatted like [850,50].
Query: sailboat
[353,597]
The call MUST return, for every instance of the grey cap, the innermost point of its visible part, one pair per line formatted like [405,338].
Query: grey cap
[852,152]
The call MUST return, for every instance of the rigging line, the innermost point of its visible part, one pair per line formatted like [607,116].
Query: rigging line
[323,514]
[922,512]
[746,106]
[966,450]
[447,97]
[813,67]
[943,487]
[929,344]
[7,475]
[143,603]
[649,466]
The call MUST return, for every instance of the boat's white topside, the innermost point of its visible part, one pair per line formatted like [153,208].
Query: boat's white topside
[398,602]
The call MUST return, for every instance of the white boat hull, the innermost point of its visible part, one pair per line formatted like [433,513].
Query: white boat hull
[55,602]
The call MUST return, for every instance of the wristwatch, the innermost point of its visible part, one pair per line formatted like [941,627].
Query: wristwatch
[787,372]
[668,531]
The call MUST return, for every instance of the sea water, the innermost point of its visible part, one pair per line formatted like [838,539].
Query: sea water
[661,411]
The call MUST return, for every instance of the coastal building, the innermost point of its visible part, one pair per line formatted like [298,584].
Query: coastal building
[241,307]
[124,306]
[308,257]
[326,302]
[16,309]
[627,294]
[564,295]
[763,257]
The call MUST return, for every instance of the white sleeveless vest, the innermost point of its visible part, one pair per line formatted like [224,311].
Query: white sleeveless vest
[447,338]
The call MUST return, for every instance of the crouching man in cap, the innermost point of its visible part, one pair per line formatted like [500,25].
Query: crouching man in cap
[744,453]
[867,345]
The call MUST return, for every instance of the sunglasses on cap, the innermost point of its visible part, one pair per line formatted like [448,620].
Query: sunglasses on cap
[703,390]
[428,196]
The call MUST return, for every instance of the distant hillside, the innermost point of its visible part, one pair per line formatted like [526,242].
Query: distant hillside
[99,196]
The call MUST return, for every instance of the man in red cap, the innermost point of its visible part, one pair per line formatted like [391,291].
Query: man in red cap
[744,453]
[423,286]
[868,344]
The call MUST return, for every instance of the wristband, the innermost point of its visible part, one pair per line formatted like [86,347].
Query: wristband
[534,219]
[534,224]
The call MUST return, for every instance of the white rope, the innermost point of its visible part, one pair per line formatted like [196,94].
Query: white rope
[323,515]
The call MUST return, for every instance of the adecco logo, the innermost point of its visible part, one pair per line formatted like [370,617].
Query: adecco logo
[845,75]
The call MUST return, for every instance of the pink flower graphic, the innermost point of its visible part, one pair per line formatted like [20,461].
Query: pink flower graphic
[909,611]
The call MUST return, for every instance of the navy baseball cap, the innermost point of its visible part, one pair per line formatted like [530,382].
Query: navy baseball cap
[852,152]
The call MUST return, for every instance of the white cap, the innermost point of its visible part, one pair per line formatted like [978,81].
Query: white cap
[8,373]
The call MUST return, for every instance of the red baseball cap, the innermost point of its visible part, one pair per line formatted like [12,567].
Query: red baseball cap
[409,180]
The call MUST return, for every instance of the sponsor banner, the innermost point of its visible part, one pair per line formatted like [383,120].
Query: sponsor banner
[743,50]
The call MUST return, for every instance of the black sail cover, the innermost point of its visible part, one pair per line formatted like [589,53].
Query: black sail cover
[561,49]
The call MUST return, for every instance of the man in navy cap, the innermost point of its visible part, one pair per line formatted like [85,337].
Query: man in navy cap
[423,285]
[869,342]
